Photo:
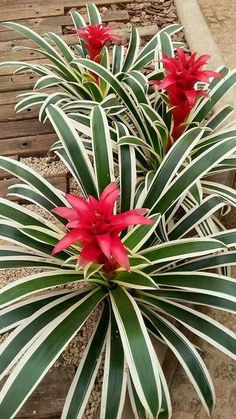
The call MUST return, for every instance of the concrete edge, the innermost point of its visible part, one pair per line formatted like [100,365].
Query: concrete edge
[197,32]
[199,37]
[200,40]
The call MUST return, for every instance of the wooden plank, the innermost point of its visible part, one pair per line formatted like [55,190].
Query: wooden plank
[145,32]
[9,37]
[7,71]
[18,12]
[4,174]
[38,24]
[17,82]
[58,181]
[32,145]
[66,3]
[8,113]
[6,47]
[20,55]
[24,128]
[10,97]
[48,399]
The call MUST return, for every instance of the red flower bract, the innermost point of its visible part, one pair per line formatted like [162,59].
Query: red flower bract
[97,229]
[182,73]
[96,37]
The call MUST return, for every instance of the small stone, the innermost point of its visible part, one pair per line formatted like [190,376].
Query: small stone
[212,19]
[135,19]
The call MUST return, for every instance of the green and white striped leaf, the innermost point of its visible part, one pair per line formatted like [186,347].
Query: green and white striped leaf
[84,379]
[102,149]
[194,171]
[27,193]
[117,58]
[62,46]
[14,315]
[38,359]
[208,262]
[198,298]
[93,14]
[181,249]
[37,282]
[27,102]
[134,279]
[138,349]
[139,235]
[116,87]
[74,148]
[29,33]
[195,216]
[77,19]
[227,237]
[224,191]
[203,282]
[200,324]
[188,357]
[132,51]
[16,344]
[20,215]
[29,176]
[10,231]
[171,165]
[127,166]
[219,117]
[115,375]
[14,262]
[222,86]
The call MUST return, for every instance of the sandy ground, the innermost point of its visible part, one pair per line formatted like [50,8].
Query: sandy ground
[221,18]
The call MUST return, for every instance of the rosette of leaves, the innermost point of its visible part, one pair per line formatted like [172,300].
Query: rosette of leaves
[70,81]
[167,282]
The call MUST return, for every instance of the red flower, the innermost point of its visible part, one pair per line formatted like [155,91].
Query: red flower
[182,73]
[96,37]
[97,229]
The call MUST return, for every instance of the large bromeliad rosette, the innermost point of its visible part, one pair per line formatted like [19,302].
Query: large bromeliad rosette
[139,268]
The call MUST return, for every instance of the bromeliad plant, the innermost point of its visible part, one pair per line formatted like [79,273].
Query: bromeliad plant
[150,120]
[115,258]
[71,81]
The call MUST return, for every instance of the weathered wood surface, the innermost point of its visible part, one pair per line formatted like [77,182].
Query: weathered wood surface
[17,82]
[8,98]
[23,128]
[32,145]
[10,38]
[19,12]
[47,400]
[57,181]
[66,3]
[8,113]
[65,20]
[10,69]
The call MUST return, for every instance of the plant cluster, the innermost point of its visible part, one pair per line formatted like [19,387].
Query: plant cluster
[147,254]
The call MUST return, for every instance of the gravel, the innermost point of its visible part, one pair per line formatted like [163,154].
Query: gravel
[155,12]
